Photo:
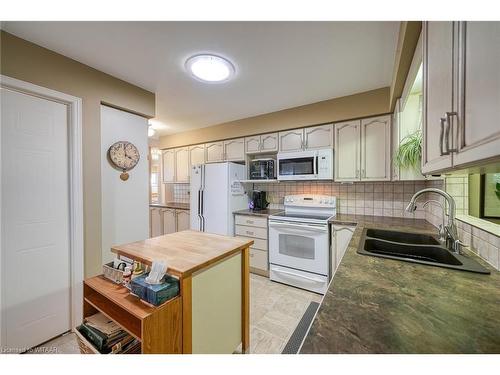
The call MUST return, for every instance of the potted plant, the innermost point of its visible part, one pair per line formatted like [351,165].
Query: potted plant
[409,152]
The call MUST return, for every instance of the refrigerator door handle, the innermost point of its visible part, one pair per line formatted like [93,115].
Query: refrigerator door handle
[201,212]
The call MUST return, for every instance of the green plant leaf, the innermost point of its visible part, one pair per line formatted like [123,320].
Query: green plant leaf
[409,152]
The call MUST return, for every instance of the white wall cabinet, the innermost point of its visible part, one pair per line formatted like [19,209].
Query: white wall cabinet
[181,220]
[196,154]
[214,152]
[262,143]
[182,164]
[462,92]
[376,149]
[234,149]
[363,150]
[168,163]
[341,236]
[291,140]
[347,150]
[318,137]
[312,138]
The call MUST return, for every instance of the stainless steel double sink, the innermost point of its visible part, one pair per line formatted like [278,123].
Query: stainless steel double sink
[416,248]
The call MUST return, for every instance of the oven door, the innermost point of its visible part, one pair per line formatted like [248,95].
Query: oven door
[298,166]
[300,246]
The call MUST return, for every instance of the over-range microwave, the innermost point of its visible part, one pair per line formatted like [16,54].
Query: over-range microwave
[306,165]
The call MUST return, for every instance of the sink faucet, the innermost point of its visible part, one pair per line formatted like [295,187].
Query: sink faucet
[448,232]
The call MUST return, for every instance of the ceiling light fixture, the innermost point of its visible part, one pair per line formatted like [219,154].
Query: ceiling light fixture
[210,68]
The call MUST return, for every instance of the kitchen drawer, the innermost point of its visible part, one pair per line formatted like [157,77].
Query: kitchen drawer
[258,259]
[258,243]
[251,221]
[244,230]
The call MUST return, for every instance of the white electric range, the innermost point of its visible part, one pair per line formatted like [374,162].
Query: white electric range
[299,242]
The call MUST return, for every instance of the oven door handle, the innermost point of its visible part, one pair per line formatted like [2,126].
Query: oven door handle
[298,226]
[299,276]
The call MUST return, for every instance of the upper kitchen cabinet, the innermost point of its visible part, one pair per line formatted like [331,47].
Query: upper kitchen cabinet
[168,161]
[376,149]
[234,149]
[440,51]
[196,154]
[363,150]
[318,137]
[291,140]
[264,143]
[313,138]
[461,94]
[478,125]
[214,152]
[182,164]
[347,150]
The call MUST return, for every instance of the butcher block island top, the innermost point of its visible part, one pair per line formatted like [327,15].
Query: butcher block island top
[184,252]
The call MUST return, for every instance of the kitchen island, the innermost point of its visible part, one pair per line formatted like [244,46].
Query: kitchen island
[211,314]
[378,305]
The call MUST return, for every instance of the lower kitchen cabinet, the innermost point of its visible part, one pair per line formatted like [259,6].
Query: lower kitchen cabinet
[182,220]
[256,228]
[163,220]
[341,236]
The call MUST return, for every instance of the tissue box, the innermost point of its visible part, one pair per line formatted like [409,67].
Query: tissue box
[155,294]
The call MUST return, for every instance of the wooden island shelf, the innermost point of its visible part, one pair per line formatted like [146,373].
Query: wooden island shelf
[211,314]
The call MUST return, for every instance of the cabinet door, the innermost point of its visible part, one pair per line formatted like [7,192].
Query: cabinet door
[169,221]
[168,161]
[376,149]
[182,164]
[252,144]
[234,149]
[291,140]
[197,154]
[439,81]
[155,224]
[479,124]
[182,218]
[347,150]
[318,137]
[341,236]
[214,152]
[269,142]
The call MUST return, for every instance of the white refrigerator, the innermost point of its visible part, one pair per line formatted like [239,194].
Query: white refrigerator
[216,192]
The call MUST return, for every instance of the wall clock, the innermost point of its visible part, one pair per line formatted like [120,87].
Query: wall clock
[124,156]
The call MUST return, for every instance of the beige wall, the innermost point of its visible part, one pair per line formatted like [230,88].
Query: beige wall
[28,62]
[364,104]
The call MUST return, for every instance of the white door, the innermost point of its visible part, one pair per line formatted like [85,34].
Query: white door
[347,151]
[234,149]
[479,123]
[35,220]
[214,152]
[318,137]
[291,140]
[169,222]
[197,154]
[439,80]
[376,149]
[269,142]
[182,164]
[155,224]
[168,160]
[182,220]
[252,144]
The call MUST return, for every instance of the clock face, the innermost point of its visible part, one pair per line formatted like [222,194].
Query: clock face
[124,155]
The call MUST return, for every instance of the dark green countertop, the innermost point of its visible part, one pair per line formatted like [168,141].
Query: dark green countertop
[378,305]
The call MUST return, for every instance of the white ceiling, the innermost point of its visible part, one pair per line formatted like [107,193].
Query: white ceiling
[279,64]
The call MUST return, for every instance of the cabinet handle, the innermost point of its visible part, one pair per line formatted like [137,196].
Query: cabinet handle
[249,221]
[363,173]
[448,118]
[251,255]
[357,173]
[249,233]
[441,135]
[260,145]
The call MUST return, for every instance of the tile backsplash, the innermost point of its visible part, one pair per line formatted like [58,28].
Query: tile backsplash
[181,193]
[361,198]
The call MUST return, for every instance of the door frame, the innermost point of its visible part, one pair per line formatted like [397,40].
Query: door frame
[75,192]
